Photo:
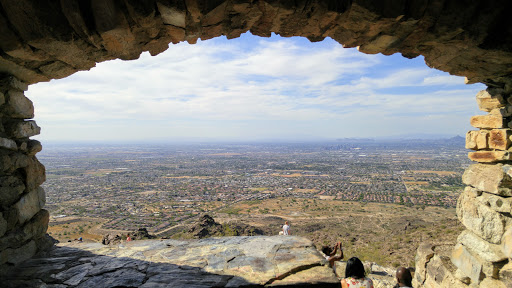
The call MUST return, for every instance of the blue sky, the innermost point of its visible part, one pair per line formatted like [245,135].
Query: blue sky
[254,89]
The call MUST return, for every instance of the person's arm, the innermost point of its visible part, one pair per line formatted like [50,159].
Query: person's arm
[334,250]
[344,283]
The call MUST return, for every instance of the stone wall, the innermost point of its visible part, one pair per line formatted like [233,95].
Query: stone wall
[23,222]
[482,256]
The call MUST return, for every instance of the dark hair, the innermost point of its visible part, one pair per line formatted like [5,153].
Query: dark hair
[327,250]
[354,268]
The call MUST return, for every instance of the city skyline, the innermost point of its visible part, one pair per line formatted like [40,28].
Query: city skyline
[254,89]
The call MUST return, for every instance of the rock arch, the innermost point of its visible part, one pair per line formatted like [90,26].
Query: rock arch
[42,40]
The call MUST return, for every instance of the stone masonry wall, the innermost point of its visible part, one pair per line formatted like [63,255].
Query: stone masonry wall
[23,222]
[482,256]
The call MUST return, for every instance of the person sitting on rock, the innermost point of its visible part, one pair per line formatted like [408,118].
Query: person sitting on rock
[354,275]
[330,253]
[403,278]
[128,238]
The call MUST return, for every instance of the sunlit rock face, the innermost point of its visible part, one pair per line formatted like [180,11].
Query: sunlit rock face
[244,261]
[43,40]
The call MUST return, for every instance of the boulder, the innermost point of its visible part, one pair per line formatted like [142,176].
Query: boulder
[11,188]
[18,106]
[480,219]
[467,263]
[487,102]
[35,173]
[22,129]
[111,239]
[30,204]
[483,249]
[506,274]
[8,144]
[492,178]
[35,228]
[18,255]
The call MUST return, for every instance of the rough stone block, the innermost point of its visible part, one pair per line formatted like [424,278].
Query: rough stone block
[483,249]
[3,225]
[506,274]
[487,102]
[496,203]
[462,278]
[471,140]
[492,178]
[506,243]
[34,147]
[2,98]
[11,187]
[18,106]
[8,144]
[490,156]
[492,283]
[35,228]
[467,263]
[35,174]
[13,82]
[30,204]
[501,112]
[424,253]
[500,139]
[18,255]
[488,122]
[482,139]
[480,219]
[22,129]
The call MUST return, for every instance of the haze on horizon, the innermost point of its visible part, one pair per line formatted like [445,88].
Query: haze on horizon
[254,89]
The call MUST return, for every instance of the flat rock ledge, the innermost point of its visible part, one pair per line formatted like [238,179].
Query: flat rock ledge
[256,261]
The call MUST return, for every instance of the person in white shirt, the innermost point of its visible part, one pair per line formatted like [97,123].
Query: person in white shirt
[286,228]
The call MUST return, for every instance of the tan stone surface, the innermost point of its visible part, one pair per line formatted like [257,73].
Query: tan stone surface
[488,122]
[424,253]
[471,140]
[506,274]
[506,243]
[497,203]
[492,283]
[480,219]
[492,178]
[481,248]
[467,263]
[490,156]
[500,139]
[487,102]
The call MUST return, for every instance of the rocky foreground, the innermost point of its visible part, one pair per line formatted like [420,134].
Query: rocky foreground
[258,261]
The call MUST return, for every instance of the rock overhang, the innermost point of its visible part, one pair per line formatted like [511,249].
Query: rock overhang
[44,40]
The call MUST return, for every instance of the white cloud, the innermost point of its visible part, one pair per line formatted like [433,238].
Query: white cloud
[217,89]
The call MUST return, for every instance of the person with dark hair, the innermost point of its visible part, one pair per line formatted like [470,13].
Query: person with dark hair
[330,253]
[403,278]
[354,275]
